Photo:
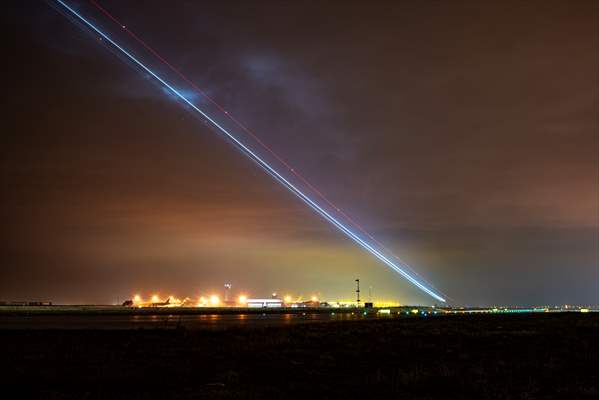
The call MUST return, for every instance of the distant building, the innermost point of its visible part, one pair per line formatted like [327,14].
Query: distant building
[264,303]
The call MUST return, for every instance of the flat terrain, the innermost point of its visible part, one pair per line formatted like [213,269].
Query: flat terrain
[172,321]
[532,356]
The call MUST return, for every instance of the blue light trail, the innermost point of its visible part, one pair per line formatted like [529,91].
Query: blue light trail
[258,160]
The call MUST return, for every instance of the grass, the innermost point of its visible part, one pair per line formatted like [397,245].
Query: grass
[458,357]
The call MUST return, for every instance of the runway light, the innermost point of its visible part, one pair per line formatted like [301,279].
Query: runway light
[214,300]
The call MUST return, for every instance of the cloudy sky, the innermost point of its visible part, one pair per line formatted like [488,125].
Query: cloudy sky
[462,135]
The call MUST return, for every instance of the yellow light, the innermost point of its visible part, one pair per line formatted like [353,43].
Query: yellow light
[155,299]
[214,300]
[243,299]
[137,298]
[314,298]
[287,299]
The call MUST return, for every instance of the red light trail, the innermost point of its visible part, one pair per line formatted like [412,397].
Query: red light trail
[245,129]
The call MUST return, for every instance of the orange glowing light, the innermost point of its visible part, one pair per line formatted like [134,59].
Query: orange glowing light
[243,299]
[214,300]
[155,299]
[287,299]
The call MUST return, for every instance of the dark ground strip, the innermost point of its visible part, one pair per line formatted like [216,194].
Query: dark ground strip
[535,356]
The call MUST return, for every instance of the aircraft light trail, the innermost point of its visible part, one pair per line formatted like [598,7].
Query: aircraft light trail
[258,160]
[245,129]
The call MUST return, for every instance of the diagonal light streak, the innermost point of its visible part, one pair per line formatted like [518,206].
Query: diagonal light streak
[259,161]
[245,129]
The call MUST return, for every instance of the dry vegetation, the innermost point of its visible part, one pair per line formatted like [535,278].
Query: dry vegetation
[471,357]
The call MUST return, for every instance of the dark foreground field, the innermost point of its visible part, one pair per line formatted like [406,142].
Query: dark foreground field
[474,357]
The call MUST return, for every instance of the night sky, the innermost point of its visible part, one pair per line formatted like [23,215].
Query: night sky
[464,135]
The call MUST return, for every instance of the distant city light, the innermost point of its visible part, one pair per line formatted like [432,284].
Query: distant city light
[314,298]
[155,299]
[214,300]
[137,298]
[201,301]
[287,299]
[243,299]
